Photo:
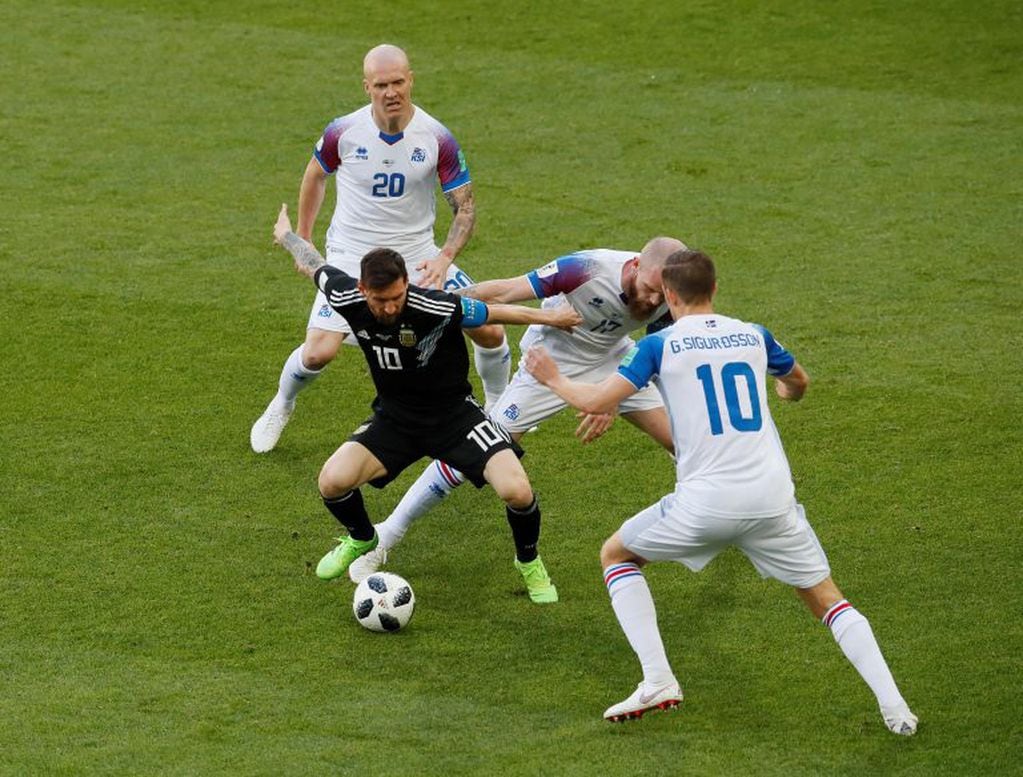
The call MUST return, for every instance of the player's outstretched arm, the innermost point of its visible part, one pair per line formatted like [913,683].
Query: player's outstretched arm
[560,317]
[593,398]
[793,386]
[502,290]
[307,258]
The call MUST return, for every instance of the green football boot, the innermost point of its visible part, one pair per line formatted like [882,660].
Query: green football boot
[335,563]
[538,582]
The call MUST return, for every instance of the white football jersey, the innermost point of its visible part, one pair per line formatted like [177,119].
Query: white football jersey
[591,281]
[712,374]
[386,183]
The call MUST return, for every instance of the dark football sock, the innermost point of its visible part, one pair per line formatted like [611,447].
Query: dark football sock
[351,512]
[525,526]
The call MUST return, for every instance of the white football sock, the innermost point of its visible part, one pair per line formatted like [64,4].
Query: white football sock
[437,481]
[493,365]
[634,608]
[854,636]
[294,377]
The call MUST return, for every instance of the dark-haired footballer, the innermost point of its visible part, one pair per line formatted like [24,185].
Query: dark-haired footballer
[412,340]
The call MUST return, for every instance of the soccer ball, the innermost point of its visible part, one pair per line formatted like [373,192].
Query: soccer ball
[383,602]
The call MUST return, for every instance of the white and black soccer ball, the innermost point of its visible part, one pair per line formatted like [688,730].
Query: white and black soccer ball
[383,602]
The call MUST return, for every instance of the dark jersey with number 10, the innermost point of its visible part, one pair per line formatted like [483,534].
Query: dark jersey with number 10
[419,364]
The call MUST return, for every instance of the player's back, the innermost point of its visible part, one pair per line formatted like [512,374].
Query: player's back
[713,377]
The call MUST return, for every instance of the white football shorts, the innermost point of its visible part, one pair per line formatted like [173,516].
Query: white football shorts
[784,547]
[526,402]
[323,316]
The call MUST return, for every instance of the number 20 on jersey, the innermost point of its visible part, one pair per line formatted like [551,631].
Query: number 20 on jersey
[388,185]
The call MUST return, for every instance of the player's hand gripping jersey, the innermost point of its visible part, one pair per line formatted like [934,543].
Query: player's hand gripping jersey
[592,282]
[729,459]
[419,364]
[385,183]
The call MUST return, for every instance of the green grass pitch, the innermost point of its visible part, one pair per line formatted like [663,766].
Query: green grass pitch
[854,168]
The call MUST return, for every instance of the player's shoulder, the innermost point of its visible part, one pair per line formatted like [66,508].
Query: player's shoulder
[564,274]
[433,301]
[729,321]
[741,325]
[713,321]
[607,262]
[717,324]
[423,118]
[603,258]
[609,255]
[352,118]
[767,339]
[780,360]
[347,123]
[426,123]
[341,288]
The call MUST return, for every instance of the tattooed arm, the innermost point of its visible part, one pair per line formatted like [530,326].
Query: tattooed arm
[307,258]
[463,205]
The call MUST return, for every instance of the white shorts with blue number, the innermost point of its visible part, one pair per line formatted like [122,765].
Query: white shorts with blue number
[323,316]
[784,547]
[526,402]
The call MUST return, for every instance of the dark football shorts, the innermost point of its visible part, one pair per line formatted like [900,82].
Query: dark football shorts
[464,438]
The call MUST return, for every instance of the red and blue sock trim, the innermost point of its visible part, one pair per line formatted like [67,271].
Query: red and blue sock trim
[836,610]
[619,572]
[450,475]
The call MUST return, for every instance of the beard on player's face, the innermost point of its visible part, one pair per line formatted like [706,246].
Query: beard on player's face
[387,303]
[639,307]
[644,294]
[387,315]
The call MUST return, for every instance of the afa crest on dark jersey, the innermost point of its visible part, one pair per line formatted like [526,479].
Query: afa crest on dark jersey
[419,363]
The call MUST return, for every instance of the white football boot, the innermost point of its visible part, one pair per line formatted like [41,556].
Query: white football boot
[368,563]
[643,700]
[900,720]
[268,427]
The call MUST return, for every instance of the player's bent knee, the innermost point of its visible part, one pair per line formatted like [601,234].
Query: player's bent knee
[821,597]
[334,482]
[521,498]
[517,493]
[607,554]
[488,336]
[320,348]
[614,552]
